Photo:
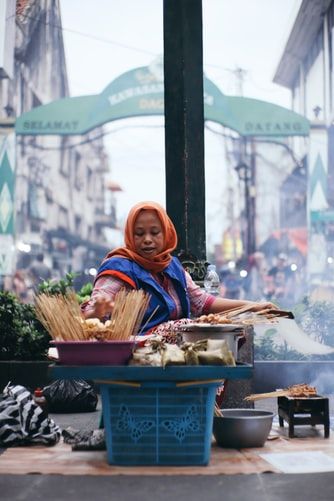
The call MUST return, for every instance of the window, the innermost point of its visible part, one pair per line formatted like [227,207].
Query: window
[90,183]
[78,223]
[78,180]
[63,218]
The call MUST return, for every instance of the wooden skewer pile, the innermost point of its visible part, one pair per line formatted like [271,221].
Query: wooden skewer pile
[128,313]
[295,391]
[218,411]
[61,316]
[243,315]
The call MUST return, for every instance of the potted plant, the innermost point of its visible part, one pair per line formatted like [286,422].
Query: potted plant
[24,340]
[24,343]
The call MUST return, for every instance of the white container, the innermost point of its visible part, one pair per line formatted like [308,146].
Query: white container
[232,334]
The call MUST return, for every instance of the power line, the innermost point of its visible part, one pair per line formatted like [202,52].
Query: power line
[92,37]
[238,72]
[298,161]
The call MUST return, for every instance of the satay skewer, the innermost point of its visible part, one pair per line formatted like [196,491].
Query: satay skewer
[295,391]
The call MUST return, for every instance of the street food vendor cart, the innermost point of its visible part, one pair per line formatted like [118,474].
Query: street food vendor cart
[155,415]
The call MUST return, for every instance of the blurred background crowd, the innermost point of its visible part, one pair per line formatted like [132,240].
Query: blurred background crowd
[280,279]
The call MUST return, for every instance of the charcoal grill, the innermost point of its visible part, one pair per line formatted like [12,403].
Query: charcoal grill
[303,411]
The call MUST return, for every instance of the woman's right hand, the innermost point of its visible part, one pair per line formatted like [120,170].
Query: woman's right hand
[100,307]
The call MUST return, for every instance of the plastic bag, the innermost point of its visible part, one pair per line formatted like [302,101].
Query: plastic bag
[70,395]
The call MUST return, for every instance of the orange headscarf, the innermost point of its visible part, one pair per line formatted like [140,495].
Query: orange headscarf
[160,261]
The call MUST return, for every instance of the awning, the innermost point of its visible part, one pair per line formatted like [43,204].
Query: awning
[296,236]
[113,186]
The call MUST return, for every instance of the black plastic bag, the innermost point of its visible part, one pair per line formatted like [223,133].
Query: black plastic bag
[70,395]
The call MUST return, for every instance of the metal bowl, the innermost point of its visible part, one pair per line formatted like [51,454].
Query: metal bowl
[242,428]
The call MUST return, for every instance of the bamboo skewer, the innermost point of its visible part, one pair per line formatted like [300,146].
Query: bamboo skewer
[61,316]
[245,316]
[195,383]
[295,391]
[238,311]
[57,312]
[149,318]
[218,411]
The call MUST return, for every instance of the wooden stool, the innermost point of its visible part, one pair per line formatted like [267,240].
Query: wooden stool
[307,410]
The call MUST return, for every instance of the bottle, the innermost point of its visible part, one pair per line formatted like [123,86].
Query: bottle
[40,399]
[211,281]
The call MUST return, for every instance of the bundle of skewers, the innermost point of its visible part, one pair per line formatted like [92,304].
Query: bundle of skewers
[294,391]
[62,317]
[218,411]
[244,316]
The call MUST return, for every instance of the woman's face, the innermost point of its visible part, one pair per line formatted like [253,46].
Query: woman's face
[148,234]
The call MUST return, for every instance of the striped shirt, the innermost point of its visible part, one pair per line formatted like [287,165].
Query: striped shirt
[200,301]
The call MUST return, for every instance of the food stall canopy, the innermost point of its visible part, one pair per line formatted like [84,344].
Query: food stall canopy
[140,92]
[293,237]
[113,186]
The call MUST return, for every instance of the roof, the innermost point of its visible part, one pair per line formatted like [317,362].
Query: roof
[302,36]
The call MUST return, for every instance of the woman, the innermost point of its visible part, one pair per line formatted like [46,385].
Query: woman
[146,263]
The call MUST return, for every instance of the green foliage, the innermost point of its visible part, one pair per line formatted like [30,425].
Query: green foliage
[85,292]
[265,348]
[316,319]
[61,286]
[22,336]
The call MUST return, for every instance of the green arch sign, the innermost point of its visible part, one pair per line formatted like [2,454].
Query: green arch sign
[140,92]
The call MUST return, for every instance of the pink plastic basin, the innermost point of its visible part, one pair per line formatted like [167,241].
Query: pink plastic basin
[94,352]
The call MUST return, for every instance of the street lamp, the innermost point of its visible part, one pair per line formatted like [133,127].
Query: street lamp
[245,174]
[9,110]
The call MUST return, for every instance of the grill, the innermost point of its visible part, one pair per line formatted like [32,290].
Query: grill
[303,411]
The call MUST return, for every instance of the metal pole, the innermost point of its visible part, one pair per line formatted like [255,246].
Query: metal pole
[252,199]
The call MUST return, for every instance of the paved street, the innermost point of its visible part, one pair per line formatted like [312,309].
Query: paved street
[265,487]
[257,487]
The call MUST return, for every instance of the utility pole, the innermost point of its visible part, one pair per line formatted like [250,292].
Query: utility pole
[246,173]
[240,74]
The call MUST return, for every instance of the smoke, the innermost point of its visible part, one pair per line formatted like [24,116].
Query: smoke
[324,382]
[269,376]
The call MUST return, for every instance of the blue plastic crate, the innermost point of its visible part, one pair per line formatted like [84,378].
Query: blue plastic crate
[158,423]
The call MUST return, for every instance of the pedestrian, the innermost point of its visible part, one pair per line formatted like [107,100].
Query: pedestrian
[257,271]
[19,287]
[283,281]
[39,271]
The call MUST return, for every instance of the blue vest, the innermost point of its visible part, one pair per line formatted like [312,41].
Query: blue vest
[139,278]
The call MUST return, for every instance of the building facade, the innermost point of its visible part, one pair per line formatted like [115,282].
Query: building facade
[306,67]
[59,199]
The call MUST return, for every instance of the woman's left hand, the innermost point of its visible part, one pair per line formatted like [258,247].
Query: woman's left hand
[264,306]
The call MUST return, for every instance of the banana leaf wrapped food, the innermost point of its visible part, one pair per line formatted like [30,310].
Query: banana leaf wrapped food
[157,352]
[172,355]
